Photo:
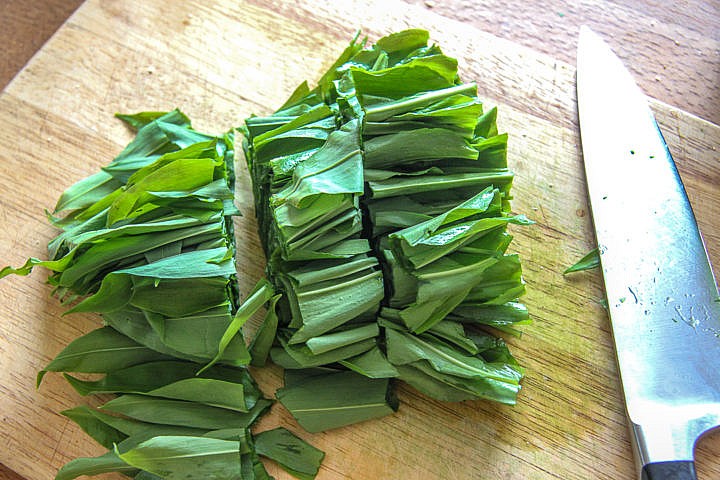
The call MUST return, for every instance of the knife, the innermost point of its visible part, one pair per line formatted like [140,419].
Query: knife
[661,293]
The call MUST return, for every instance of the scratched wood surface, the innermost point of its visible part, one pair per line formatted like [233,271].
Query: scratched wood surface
[672,48]
[220,61]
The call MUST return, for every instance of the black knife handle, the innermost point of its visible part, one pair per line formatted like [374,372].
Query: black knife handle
[675,470]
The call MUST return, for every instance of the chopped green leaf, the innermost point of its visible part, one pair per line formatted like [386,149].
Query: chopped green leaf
[337,399]
[294,455]
[100,351]
[265,336]
[176,457]
[107,463]
[589,261]
[183,413]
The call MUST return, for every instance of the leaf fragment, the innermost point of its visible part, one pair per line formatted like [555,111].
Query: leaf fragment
[107,463]
[176,457]
[293,454]
[589,261]
[337,399]
[100,351]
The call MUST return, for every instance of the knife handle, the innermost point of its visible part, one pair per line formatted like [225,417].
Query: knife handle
[674,470]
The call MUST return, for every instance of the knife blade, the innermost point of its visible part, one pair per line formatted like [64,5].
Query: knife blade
[661,292]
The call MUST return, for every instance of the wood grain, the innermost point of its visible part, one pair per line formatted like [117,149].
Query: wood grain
[25,28]
[220,61]
[672,48]
[7,474]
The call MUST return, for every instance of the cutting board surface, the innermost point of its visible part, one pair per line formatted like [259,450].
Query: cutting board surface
[221,61]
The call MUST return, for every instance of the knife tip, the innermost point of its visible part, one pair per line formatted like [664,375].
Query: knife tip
[586,35]
[584,30]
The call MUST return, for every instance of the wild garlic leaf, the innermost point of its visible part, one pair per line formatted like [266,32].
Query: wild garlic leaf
[136,121]
[342,338]
[107,463]
[405,348]
[498,316]
[262,292]
[418,105]
[416,75]
[87,192]
[337,399]
[143,475]
[372,364]
[159,430]
[182,174]
[299,355]
[153,140]
[431,386]
[326,305]
[183,413]
[454,333]
[98,425]
[334,169]
[133,323]
[265,336]
[151,376]
[589,261]
[293,454]
[181,457]
[32,262]
[477,387]
[149,244]
[429,356]
[100,351]
[117,252]
[414,145]
[208,391]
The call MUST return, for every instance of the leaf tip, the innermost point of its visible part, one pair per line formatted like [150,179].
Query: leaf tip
[39,378]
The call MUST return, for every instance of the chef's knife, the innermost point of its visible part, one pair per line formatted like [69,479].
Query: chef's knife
[661,293]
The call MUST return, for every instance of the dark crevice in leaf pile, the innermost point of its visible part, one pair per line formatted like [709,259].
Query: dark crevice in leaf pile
[148,243]
[383,200]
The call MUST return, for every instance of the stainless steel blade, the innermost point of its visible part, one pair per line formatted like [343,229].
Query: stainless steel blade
[661,293]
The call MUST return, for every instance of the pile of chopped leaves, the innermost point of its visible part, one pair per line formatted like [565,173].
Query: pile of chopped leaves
[382,198]
[148,243]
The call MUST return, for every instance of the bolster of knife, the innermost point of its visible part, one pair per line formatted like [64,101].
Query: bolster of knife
[674,470]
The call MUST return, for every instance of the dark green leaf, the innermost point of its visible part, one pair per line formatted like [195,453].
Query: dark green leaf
[262,292]
[138,120]
[420,144]
[110,462]
[406,348]
[294,455]
[87,192]
[149,378]
[300,356]
[417,75]
[589,261]
[97,426]
[216,393]
[182,413]
[265,336]
[337,399]
[372,364]
[133,323]
[181,457]
[331,341]
[100,351]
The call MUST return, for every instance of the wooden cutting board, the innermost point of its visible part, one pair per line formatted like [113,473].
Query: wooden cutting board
[220,61]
